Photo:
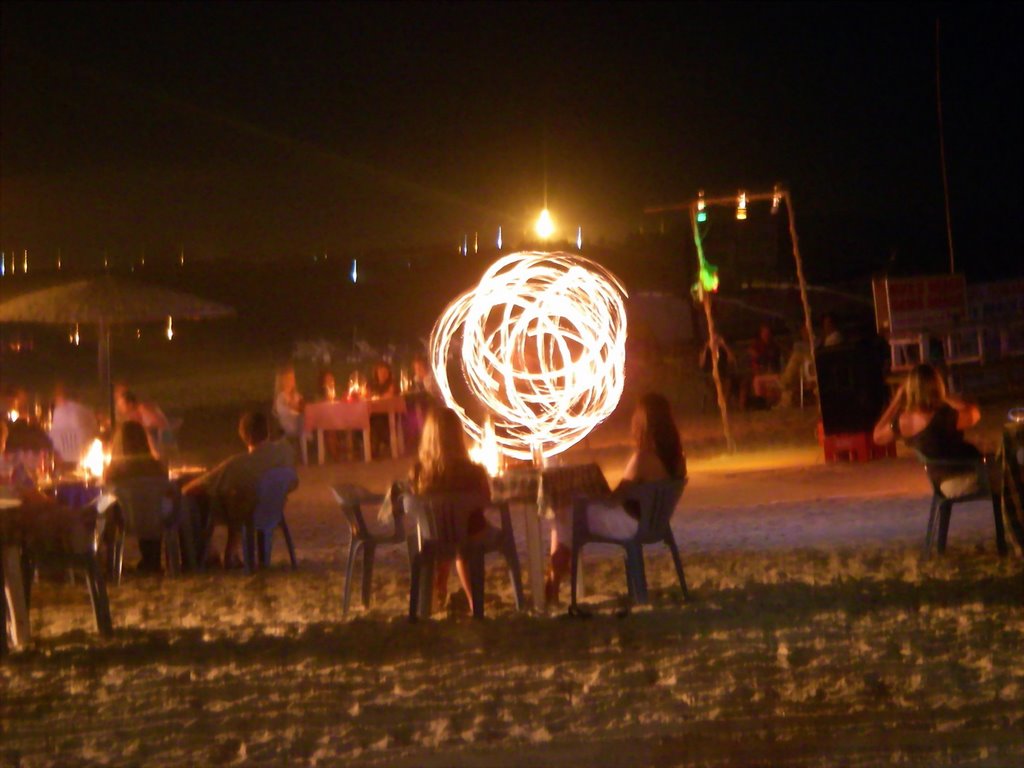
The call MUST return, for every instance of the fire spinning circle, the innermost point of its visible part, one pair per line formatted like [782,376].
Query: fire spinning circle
[543,350]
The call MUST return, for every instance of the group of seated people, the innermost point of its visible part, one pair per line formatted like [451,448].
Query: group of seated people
[443,465]
[766,382]
[419,391]
[72,425]
[921,413]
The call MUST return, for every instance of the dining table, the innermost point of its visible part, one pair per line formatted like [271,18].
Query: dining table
[352,416]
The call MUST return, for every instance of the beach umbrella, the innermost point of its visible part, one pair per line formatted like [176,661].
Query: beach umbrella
[105,302]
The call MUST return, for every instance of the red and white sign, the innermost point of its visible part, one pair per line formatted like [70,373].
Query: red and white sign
[907,304]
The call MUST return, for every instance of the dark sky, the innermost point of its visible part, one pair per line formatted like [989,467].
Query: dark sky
[253,130]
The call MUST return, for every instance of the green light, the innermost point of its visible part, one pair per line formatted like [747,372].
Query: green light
[709,277]
[702,216]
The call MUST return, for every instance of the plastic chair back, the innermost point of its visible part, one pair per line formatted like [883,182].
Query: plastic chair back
[442,517]
[68,445]
[657,502]
[145,504]
[273,489]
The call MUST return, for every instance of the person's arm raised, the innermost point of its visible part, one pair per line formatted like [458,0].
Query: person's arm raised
[967,414]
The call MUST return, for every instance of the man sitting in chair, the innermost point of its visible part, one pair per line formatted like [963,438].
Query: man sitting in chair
[226,491]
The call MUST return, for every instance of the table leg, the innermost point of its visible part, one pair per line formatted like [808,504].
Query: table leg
[535,556]
[367,443]
[15,594]
[393,436]
[400,432]
[303,449]
[320,446]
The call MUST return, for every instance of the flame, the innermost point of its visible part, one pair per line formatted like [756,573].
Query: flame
[95,460]
[487,452]
[543,350]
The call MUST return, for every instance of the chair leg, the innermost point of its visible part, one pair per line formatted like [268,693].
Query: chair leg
[997,512]
[670,542]
[515,573]
[369,551]
[3,608]
[98,596]
[574,572]
[630,583]
[119,554]
[635,565]
[415,571]
[249,547]
[475,562]
[421,584]
[353,551]
[929,536]
[186,537]
[172,550]
[945,512]
[28,573]
[265,539]
[289,543]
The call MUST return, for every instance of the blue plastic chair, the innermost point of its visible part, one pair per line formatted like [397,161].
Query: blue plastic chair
[272,493]
[442,533]
[362,539]
[656,501]
[974,486]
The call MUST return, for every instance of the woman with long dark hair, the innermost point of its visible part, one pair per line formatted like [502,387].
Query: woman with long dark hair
[657,455]
[131,457]
[444,466]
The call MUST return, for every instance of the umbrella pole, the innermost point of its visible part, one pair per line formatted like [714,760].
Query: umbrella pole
[106,382]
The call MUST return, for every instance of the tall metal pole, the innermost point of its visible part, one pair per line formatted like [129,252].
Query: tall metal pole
[808,322]
[942,151]
[723,405]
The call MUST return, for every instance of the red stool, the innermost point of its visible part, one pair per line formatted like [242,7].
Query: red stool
[852,446]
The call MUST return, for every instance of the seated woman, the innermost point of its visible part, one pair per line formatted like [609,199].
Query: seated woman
[381,384]
[131,458]
[327,389]
[444,466]
[932,422]
[657,455]
[288,402]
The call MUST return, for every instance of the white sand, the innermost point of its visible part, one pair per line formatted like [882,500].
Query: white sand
[817,637]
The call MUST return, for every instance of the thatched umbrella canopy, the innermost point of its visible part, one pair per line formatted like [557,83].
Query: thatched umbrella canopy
[106,301]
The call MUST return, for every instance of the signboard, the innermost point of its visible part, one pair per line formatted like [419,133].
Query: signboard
[908,304]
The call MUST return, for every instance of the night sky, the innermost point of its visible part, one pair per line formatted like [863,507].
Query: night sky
[262,130]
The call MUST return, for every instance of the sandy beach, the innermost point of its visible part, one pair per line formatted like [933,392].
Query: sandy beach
[817,636]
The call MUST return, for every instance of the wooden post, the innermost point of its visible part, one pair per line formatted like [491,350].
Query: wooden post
[106,381]
[808,322]
[723,405]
